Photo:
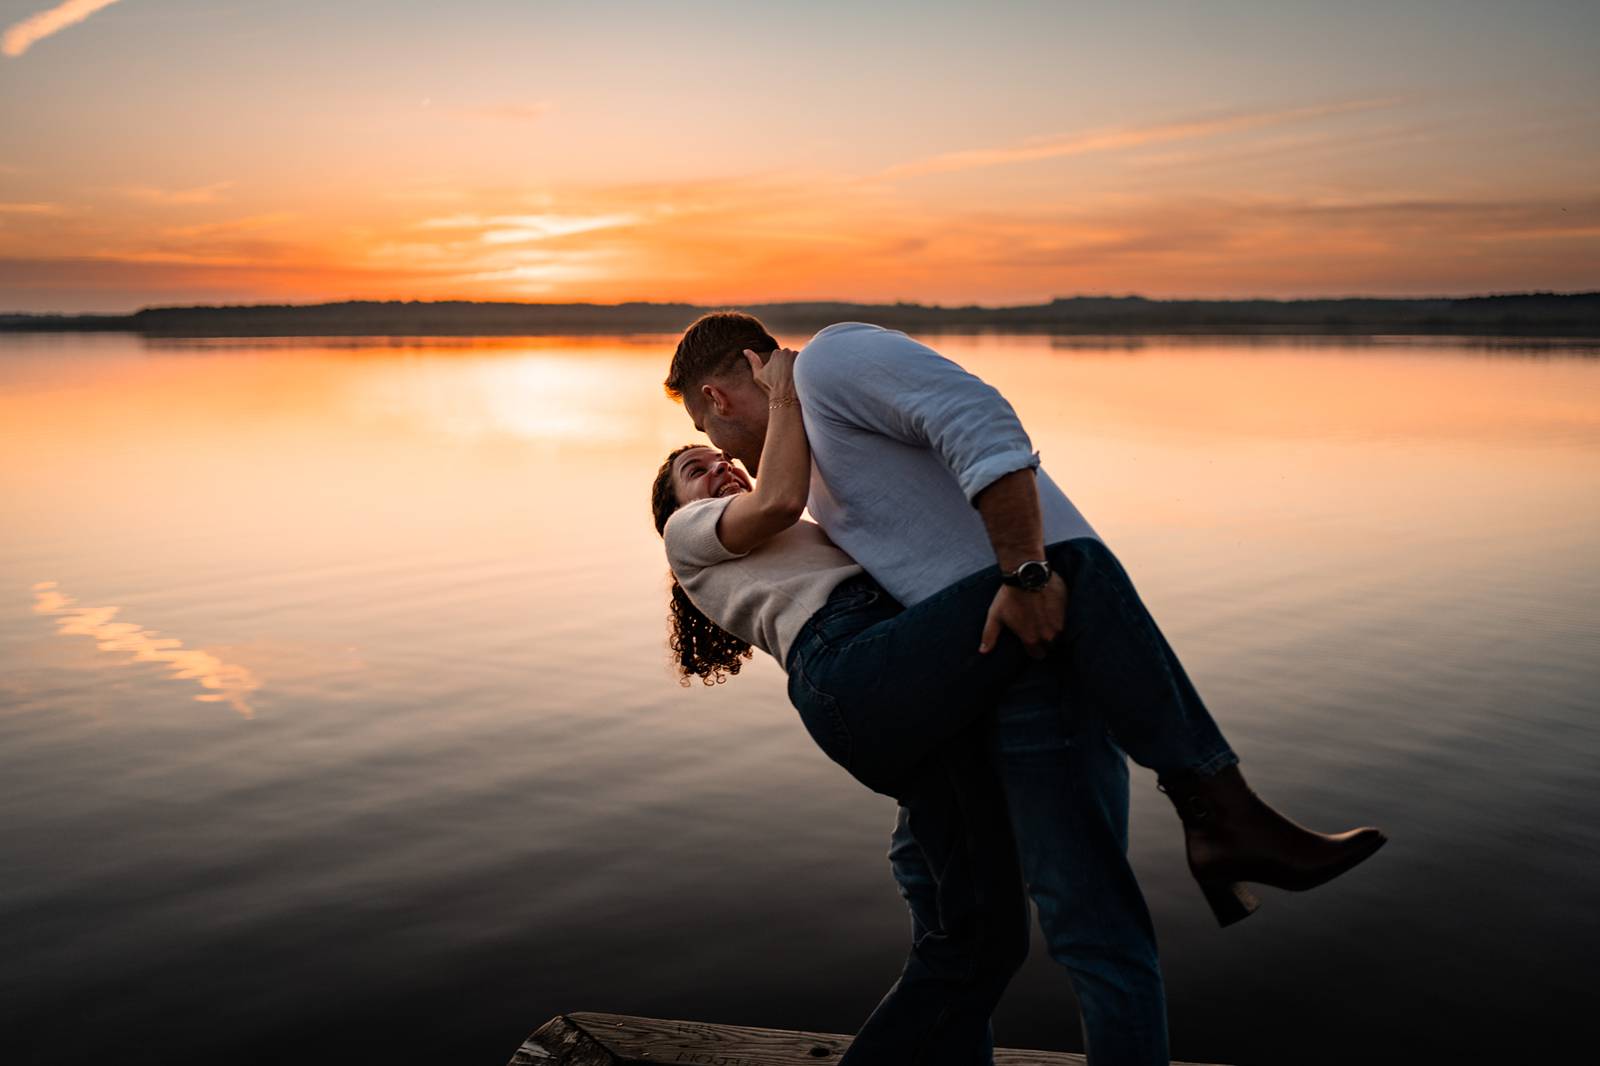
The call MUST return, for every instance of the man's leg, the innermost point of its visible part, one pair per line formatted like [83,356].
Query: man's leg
[953,857]
[1066,785]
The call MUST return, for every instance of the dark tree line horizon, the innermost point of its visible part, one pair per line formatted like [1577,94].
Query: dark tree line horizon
[1535,313]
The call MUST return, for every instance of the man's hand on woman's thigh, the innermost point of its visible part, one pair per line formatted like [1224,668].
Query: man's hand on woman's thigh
[1036,616]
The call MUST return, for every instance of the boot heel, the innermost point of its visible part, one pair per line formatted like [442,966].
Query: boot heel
[1230,901]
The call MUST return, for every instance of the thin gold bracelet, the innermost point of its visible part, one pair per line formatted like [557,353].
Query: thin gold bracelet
[792,401]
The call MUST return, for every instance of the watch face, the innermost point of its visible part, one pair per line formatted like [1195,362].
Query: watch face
[1033,575]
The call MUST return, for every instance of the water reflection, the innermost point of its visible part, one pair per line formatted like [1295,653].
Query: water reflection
[1377,558]
[226,682]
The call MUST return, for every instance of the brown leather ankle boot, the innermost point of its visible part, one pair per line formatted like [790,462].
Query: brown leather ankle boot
[1234,836]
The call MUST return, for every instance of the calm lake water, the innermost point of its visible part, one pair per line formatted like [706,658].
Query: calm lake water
[336,723]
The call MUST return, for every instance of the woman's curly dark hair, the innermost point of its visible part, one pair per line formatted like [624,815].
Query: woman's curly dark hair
[700,647]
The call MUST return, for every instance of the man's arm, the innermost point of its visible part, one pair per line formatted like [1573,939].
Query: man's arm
[911,393]
[1010,510]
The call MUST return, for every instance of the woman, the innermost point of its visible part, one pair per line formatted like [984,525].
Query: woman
[881,688]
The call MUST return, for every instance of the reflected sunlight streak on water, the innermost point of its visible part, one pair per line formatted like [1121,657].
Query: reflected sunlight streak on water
[227,682]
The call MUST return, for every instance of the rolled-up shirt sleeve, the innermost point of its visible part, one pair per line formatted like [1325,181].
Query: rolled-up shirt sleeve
[888,383]
[691,537]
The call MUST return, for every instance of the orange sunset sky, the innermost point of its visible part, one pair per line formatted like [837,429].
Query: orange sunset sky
[181,151]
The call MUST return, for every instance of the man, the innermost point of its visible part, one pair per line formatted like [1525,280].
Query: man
[924,474]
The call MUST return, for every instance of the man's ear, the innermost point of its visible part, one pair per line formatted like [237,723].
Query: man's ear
[717,397]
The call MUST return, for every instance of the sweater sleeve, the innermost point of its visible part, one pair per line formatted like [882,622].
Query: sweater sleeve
[691,537]
[884,382]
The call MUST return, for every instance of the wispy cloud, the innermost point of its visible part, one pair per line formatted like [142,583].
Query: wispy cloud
[32,209]
[255,239]
[1120,138]
[202,194]
[1278,246]
[520,229]
[21,36]
[536,277]
[519,253]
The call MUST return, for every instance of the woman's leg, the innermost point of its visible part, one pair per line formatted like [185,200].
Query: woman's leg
[1114,658]
[910,682]
[905,681]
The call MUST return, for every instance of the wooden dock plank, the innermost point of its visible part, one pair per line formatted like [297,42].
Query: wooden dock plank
[591,1039]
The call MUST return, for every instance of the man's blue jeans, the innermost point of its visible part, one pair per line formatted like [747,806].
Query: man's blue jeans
[956,862]
[894,694]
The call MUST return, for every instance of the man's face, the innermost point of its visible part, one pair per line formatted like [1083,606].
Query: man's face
[735,418]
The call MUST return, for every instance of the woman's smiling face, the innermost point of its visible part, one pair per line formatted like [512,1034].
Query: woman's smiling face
[703,473]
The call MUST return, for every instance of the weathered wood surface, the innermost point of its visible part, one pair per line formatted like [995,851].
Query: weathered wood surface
[622,1040]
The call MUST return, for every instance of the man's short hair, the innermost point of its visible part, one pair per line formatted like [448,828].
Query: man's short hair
[715,343]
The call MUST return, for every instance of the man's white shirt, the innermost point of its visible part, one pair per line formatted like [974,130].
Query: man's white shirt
[902,441]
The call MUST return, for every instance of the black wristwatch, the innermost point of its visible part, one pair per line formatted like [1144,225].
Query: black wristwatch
[1032,575]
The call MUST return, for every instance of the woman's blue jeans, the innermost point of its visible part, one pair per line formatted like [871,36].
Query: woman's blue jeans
[1034,793]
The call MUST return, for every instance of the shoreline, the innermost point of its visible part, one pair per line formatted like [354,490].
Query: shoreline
[1538,315]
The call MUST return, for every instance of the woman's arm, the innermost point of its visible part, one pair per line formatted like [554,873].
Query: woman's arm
[780,494]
